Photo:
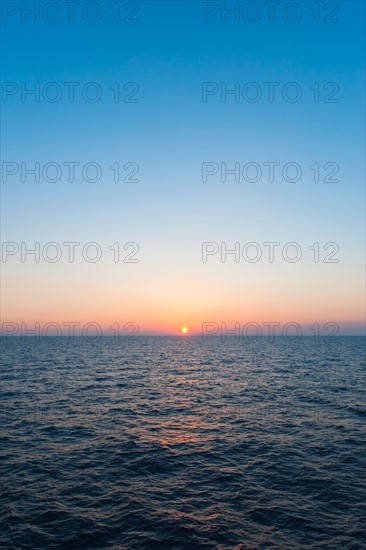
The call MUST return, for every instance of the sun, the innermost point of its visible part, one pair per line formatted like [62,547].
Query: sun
[184,330]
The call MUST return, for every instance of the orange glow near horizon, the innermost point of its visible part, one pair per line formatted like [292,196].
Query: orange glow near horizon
[157,303]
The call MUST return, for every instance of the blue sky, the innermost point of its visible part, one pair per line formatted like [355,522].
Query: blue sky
[170,132]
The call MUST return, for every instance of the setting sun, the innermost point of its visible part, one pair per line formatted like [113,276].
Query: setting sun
[184,330]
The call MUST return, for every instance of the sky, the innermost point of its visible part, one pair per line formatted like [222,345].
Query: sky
[167,122]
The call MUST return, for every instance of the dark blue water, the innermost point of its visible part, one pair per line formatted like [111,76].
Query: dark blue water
[164,442]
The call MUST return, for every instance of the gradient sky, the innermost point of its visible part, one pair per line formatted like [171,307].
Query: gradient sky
[169,133]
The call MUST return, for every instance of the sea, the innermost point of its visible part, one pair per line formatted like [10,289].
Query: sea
[164,442]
